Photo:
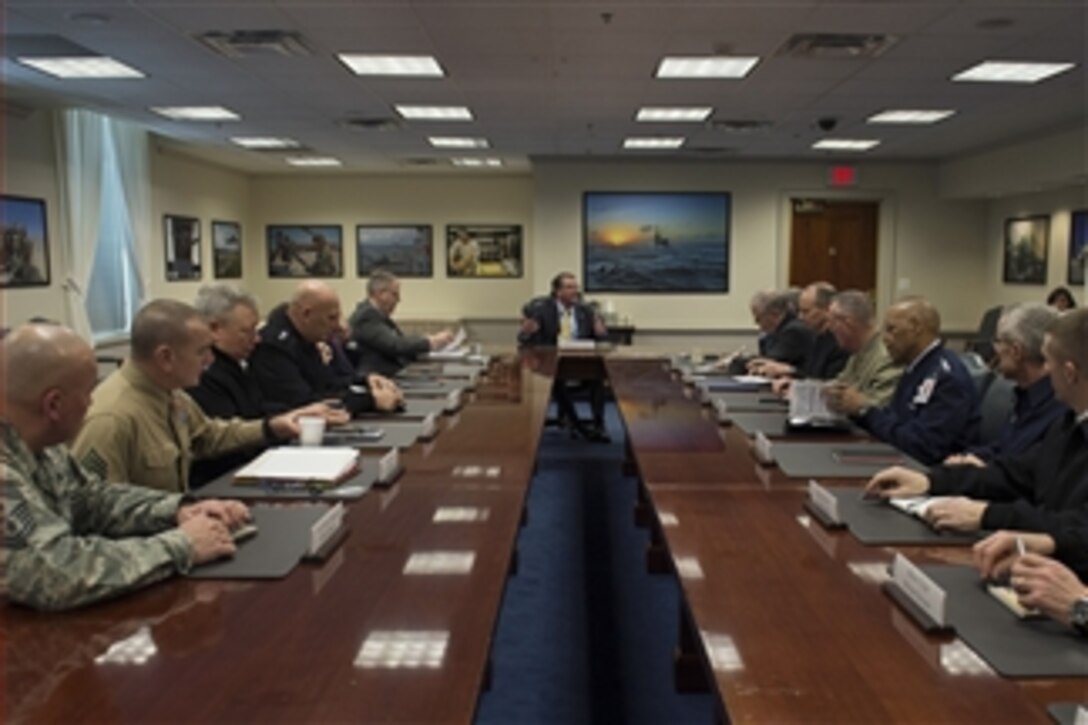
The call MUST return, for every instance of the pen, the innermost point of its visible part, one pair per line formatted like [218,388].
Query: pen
[1020,550]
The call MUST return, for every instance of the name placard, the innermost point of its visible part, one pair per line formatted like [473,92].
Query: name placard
[925,593]
[823,501]
[325,528]
[388,465]
[762,449]
[1081,718]
[721,410]
[453,400]
[428,426]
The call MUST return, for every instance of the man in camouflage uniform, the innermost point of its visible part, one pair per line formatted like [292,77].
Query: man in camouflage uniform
[70,538]
[143,428]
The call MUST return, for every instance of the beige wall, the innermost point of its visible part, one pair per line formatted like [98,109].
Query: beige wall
[924,242]
[30,170]
[436,200]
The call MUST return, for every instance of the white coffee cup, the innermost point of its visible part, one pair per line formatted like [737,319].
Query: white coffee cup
[312,430]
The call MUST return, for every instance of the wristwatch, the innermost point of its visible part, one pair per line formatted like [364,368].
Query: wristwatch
[1079,618]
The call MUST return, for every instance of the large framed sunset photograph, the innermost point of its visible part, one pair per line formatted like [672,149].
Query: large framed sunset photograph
[657,242]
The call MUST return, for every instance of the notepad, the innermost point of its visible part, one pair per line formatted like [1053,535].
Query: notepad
[325,465]
[1007,596]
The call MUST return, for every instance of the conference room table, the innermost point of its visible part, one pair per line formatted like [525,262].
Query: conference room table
[782,621]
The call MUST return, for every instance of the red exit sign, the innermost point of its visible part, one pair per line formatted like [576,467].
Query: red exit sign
[843,176]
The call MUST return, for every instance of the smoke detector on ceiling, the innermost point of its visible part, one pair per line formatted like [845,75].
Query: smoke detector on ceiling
[249,43]
[843,46]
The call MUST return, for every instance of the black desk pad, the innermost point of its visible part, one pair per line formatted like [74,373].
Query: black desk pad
[838,460]
[1013,647]
[877,523]
[282,538]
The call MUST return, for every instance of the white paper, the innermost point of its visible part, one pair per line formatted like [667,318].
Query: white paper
[915,505]
[457,341]
[577,344]
[807,402]
[289,463]
[752,379]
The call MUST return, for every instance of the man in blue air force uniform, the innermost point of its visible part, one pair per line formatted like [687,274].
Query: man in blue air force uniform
[934,411]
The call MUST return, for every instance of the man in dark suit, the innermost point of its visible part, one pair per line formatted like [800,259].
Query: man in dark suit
[783,338]
[825,358]
[382,347]
[562,316]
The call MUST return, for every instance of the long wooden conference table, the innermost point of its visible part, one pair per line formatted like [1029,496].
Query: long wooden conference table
[782,620]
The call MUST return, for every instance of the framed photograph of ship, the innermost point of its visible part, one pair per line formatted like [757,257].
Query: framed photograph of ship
[404,250]
[305,251]
[488,251]
[1026,242]
[24,251]
[227,250]
[656,242]
[182,236]
[1078,246]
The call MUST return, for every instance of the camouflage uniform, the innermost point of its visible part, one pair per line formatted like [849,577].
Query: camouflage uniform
[71,539]
[139,432]
[872,372]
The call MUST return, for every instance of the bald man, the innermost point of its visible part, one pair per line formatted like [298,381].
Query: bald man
[144,428]
[71,539]
[288,363]
[934,411]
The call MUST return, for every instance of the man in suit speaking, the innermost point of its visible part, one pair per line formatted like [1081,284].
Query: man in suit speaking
[562,316]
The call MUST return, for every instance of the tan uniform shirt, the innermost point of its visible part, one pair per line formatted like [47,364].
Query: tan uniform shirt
[137,432]
[872,372]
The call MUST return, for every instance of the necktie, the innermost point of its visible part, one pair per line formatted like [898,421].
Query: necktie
[565,325]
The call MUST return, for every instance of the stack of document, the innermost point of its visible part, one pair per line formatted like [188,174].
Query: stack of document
[915,505]
[808,406]
[455,349]
[322,466]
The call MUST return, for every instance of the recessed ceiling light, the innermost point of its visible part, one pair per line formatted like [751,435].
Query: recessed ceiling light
[707,66]
[996,71]
[845,144]
[421,66]
[673,114]
[197,113]
[909,116]
[458,142]
[264,142]
[653,142]
[314,161]
[435,113]
[99,66]
[472,161]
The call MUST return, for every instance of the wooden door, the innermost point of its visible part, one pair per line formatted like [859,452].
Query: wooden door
[834,241]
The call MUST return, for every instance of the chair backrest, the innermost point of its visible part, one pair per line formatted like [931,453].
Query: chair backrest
[983,342]
[980,372]
[997,405]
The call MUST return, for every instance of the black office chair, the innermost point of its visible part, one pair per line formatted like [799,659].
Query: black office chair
[996,407]
[980,372]
[983,342]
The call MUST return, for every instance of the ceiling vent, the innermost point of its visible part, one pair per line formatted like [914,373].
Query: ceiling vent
[740,125]
[836,46]
[371,123]
[250,43]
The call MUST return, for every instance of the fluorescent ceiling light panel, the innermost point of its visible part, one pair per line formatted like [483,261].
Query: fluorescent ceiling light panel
[909,116]
[650,114]
[100,67]
[845,144]
[653,142]
[996,71]
[458,142]
[418,66]
[435,113]
[706,66]
[474,162]
[314,161]
[197,113]
[264,142]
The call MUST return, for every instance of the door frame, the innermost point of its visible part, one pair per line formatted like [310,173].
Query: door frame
[887,211]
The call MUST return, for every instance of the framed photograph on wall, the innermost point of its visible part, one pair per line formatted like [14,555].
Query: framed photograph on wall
[489,251]
[24,252]
[405,250]
[1026,246]
[182,236]
[227,250]
[1078,246]
[656,242]
[296,250]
